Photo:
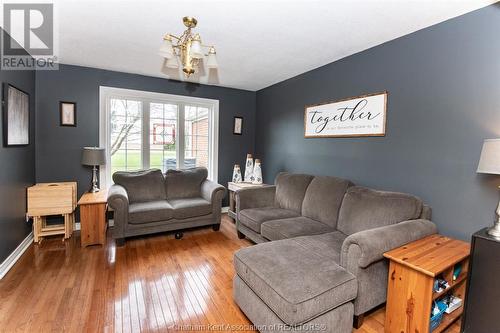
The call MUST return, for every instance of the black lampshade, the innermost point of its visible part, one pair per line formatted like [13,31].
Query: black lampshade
[93,156]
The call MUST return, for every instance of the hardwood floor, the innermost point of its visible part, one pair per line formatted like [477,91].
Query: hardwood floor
[152,284]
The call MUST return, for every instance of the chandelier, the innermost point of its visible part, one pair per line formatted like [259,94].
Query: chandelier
[187,48]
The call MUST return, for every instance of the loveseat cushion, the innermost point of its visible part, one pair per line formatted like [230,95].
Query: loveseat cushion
[294,282]
[323,199]
[143,185]
[151,211]
[292,227]
[190,207]
[290,190]
[364,208]
[254,217]
[184,183]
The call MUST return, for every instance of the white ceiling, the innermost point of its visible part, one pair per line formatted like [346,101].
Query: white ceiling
[258,43]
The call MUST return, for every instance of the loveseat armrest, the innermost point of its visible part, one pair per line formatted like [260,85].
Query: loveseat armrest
[368,246]
[118,200]
[255,197]
[213,192]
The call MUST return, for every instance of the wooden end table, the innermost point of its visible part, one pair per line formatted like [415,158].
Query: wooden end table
[412,270]
[93,218]
[233,188]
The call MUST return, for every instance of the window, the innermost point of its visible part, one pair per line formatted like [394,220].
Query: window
[142,130]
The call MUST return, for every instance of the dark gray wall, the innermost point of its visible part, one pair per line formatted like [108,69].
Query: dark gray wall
[59,148]
[17,172]
[444,91]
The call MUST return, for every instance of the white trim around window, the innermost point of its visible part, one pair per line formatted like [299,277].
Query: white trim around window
[106,93]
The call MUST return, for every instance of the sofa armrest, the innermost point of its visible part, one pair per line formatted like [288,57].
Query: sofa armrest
[255,197]
[212,191]
[118,200]
[368,246]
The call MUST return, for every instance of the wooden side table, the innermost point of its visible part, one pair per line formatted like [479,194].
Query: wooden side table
[412,271]
[233,188]
[93,218]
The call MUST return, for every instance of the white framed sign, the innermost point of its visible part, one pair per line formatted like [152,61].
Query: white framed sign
[351,117]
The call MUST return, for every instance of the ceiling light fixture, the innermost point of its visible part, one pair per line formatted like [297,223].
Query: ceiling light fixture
[187,48]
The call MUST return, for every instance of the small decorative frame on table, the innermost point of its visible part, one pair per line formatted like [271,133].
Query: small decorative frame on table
[238,125]
[67,111]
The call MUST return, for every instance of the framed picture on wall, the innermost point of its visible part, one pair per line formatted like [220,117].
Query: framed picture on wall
[358,116]
[238,125]
[16,116]
[67,112]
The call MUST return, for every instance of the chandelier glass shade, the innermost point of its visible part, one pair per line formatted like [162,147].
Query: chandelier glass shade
[187,49]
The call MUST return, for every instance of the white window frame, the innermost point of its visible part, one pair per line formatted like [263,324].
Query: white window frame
[106,93]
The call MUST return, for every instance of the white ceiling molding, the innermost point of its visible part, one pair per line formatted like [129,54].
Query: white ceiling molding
[259,43]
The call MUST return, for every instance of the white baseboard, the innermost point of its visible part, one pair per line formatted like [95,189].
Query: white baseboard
[225,209]
[15,255]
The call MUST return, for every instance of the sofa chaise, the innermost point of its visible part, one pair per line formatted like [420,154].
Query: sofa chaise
[320,258]
[146,202]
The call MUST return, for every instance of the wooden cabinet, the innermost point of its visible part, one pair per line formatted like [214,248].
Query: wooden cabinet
[410,291]
[93,218]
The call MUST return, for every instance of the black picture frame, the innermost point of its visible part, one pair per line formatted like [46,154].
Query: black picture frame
[236,119]
[61,116]
[23,98]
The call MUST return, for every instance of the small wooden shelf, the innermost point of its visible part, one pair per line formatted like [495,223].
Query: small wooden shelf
[412,271]
[449,319]
[453,284]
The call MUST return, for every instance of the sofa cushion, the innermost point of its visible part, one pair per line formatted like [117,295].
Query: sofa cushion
[292,227]
[294,282]
[151,211]
[328,245]
[364,208]
[184,183]
[290,190]
[190,207]
[323,199]
[254,217]
[143,185]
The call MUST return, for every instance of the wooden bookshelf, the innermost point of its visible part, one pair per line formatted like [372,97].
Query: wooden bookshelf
[412,271]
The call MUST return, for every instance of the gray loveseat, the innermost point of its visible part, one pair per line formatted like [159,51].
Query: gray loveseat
[321,258]
[146,202]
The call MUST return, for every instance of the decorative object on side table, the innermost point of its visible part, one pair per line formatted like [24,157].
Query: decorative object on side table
[249,169]
[238,125]
[257,172]
[16,116]
[237,174]
[47,199]
[93,156]
[411,293]
[93,218]
[67,113]
[489,163]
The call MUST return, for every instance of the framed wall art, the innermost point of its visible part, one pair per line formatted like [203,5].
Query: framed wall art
[67,112]
[16,116]
[358,116]
[238,125]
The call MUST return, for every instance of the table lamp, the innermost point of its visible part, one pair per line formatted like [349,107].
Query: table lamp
[93,156]
[490,163]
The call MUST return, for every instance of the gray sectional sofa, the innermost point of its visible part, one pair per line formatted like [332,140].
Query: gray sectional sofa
[320,260]
[147,201]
